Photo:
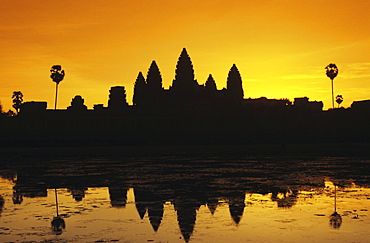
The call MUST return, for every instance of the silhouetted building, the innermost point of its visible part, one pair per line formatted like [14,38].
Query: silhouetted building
[186,113]
[140,91]
[99,107]
[33,107]
[362,105]
[117,99]
[303,104]
[77,104]
[263,105]
[234,86]
[210,86]
[185,88]
[154,86]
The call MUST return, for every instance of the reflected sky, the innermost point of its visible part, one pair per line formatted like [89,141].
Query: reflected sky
[301,216]
[182,199]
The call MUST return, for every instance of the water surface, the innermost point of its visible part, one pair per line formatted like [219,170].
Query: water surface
[186,199]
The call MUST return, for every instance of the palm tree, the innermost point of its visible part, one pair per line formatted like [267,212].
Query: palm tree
[339,99]
[17,100]
[332,72]
[57,75]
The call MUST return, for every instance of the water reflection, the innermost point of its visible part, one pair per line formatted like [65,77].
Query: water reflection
[285,199]
[335,218]
[1,204]
[58,224]
[244,188]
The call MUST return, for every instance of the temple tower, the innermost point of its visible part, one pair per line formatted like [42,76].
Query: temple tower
[117,98]
[234,85]
[184,86]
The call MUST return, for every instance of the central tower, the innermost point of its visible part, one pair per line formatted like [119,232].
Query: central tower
[184,86]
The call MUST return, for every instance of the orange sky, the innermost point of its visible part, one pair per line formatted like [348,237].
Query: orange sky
[280,47]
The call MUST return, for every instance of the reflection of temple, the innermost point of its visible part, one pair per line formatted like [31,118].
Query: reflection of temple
[185,197]
[187,184]
[151,203]
[236,207]
[212,204]
[118,196]
[78,193]
[186,207]
[28,185]
[186,203]
[285,199]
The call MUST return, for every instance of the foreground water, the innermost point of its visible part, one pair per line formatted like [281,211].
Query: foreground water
[186,199]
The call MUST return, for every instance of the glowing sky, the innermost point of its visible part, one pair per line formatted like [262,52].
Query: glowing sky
[280,47]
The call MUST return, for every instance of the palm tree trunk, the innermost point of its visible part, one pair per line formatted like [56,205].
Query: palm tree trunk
[332,92]
[56,96]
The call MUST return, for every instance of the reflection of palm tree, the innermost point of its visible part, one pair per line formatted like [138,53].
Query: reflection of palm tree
[335,218]
[58,223]
[17,197]
[332,72]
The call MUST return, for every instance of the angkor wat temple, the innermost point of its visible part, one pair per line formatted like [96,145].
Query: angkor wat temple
[186,113]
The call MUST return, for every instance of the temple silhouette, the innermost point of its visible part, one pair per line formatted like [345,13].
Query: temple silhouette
[186,113]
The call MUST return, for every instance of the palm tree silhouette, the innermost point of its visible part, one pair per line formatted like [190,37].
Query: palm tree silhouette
[339,99]
[17,100]
[332,72]
[57,75]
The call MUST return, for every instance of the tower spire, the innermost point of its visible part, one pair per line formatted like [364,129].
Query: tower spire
[234,84]
[154,78]
[140,88]
[184,78]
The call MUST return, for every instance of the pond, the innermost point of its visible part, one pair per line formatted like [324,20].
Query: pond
[186,199]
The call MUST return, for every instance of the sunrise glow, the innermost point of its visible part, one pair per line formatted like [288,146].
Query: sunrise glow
[280,47]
